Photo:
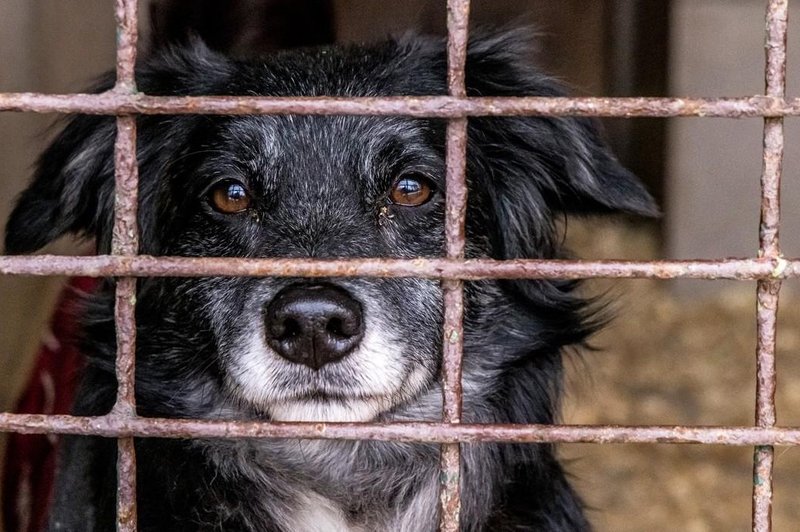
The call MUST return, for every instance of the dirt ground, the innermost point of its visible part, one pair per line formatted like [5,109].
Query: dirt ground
[677,360]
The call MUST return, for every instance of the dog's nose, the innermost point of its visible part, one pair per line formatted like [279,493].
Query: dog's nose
[314,325]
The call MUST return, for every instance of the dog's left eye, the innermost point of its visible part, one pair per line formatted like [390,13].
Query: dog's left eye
[229,197]
[411,191]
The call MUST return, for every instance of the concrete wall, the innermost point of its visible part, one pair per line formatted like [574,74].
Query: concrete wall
[714,165]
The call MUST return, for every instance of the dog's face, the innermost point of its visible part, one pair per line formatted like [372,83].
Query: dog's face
[318,187]
[315,187]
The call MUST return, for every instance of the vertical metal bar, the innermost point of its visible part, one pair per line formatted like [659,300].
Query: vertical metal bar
[769,246]
[125,241]
[127,18]
[456,208]
[450,497]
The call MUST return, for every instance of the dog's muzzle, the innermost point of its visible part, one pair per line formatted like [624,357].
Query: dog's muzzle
[314,324]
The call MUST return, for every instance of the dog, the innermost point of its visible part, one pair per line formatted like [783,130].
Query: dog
[291,349]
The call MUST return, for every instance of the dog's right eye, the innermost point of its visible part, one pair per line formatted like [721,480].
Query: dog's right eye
[411,191]
[229,197]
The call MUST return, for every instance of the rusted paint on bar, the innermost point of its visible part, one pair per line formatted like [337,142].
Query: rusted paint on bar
[126,485]
[121,426]
[455,217]
[453,349]
[452,357]
[763,459]
[147,266]
[776,39]
[125,406]
[456,209]
[450,488]
[453,352]
[772,169]
[766,336]
[127,36]
[766,383]
[769,243]
[125,241]
[113,103]
[125,320]
[768,292]
[457,40]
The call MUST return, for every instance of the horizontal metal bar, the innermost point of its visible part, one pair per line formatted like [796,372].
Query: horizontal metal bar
[148,266]
[122,426]
[111,103]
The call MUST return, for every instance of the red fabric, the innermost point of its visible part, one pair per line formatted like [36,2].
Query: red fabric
[30,459]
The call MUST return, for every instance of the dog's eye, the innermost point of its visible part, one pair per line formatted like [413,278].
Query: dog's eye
[229,197]
[411,191]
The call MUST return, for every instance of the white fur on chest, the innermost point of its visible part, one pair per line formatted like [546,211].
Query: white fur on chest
[314,513]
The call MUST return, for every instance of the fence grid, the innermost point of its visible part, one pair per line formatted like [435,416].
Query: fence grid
[769,268]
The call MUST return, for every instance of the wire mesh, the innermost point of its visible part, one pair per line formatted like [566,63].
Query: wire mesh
[769,268]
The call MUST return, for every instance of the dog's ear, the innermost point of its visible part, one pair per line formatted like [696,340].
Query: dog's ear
[541,165]
[73,186]
[71,190]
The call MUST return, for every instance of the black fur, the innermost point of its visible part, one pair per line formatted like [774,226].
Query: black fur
[320,189]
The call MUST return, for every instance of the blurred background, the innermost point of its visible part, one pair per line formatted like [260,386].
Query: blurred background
[680,352]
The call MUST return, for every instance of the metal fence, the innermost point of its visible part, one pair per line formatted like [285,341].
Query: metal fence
[769,267]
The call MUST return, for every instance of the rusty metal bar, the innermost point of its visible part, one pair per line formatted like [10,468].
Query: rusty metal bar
[126,13]
[114,426]
[766,382]
[126,485]
[777,26]
[125,321]
[457,41]
[453,296]
[453,343]
[125,236]
[427,268]
[768,291]
[125,242]
[454,288]
[114,103]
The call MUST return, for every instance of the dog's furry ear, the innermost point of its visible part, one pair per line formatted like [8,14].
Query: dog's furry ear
[73,186]
[542,163]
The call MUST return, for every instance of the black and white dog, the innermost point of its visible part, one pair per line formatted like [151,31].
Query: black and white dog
[334,349]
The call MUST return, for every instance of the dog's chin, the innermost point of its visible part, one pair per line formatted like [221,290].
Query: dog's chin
[333,410]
